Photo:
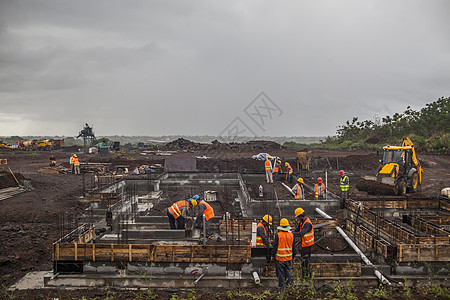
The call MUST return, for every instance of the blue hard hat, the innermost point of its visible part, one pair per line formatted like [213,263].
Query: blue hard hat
[195,197]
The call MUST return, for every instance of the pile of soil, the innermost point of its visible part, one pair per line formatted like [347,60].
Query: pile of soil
[183,144]
[7,179]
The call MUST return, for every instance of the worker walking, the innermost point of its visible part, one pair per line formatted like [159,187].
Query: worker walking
[262,237]
[177,213]
[72,169]
[268,166]
[76,165]
[319,188]
[206,210]
[289,172]
[298,190]
[344,183]
[283,252]
[276,168]
[305,231]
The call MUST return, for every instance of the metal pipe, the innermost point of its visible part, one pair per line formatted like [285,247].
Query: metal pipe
[322,213]
[363,256]
[256,278]
[227,218]
[204,230]
[326,182]
[254,234]
[198,279]
[288,188]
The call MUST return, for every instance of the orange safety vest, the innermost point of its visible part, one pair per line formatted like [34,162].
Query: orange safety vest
[297,194]
[209,211]
[71,160]
[289,169]
[317,190]
[76,162]
[275,167]
[308,238]
[268,168]
[175,209]
[284,250]
[259,241]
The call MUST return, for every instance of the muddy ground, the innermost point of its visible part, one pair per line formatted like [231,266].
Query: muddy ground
[30,222]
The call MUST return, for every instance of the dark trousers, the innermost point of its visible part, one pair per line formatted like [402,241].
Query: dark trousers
[306,260]
[175,223]
[284,272]
[289,178]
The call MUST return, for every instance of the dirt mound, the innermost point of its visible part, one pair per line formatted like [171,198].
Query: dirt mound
[183,144]
[7,180]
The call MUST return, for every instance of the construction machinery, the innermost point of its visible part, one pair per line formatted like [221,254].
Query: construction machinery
[304,160]
[400,172]
[47,144]
[4,145]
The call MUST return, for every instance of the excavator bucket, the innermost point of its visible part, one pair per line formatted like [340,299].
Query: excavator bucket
[377,185]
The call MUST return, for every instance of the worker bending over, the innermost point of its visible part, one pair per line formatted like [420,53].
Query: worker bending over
[344,183]
[289,172]
[319,188]
[206,210]
[305,231]
[298,190]
[262,237]
[283,252]
[177,213]
[268,166]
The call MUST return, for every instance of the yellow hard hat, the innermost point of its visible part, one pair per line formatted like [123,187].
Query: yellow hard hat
[300,180]
[74,155]
[285,163]
[298,211]
[268,219]
[194,202]
[270,157]
[284,222]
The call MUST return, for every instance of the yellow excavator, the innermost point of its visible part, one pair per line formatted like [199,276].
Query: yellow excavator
[400,172]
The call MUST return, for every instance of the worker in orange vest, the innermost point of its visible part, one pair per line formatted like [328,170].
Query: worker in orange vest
[298,190]
[268,166]
[205,209]
[262,237]
[72,169]
[76,165]
[289,172]
[276,168]
[177,213]
[305,231]
[283,252]
[319,188]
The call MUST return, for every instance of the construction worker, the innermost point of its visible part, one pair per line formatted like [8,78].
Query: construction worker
[298,190]
[305,231]
[262,237]
[72,169]
[52,160]
[276,168]
[289,172]
[76,165]
[268,166]
[283,252]
[319,188]
[178,212]
[206,210]
[344,183]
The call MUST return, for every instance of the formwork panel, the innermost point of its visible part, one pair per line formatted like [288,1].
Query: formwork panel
[423,252]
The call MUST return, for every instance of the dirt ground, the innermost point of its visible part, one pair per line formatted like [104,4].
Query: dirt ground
[31,221]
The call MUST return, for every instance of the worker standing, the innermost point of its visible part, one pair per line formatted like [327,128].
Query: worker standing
[72,169]
[276,168]
[299,190]
[177,213]
[305,231]
[268,166]
[344,183]
[262,237]
[206,210]
[283,252]
[289,172]
[319,188]
[76,164]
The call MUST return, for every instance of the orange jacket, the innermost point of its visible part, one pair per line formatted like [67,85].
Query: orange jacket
[208,212]
[289,169]
[268,166]
[76,162]
[317,190]
[285,242]
[175,209]
[259,241]
[308,238]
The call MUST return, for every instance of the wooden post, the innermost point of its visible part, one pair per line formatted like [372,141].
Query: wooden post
[76,251]
[93,252]
[129,252]
[112,252]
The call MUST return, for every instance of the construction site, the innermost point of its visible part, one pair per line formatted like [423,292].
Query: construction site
[108,227]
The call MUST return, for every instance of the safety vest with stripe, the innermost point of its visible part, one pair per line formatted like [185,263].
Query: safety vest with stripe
[284,250]
[76,162]
[289,169]
[344,183]
[268,166]
[175,209]
[259,241]
[209,211]
[297,192]
[71,160]
[317,190]
[308,238]
[276,167]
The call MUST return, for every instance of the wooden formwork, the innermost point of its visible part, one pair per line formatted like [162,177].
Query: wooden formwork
[151,253]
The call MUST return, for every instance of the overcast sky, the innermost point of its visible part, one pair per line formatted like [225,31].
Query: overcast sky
[279,68]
